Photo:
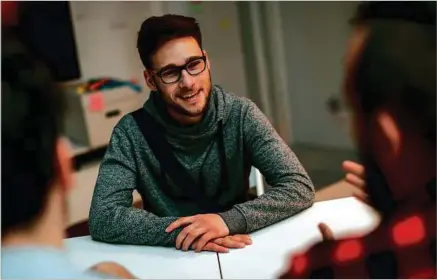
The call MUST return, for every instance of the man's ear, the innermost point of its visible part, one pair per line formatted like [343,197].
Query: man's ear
[388,131]
[149,80]
[64,174]
[208,64]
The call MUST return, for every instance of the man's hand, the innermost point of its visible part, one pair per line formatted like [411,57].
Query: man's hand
[112,269]
[223,244]
[202,228]
[326,232]
[355,176]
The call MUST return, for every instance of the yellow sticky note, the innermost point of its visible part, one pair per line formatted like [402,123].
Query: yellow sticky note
[225,24]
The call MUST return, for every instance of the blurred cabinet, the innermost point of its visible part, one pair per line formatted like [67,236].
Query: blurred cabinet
[91,117]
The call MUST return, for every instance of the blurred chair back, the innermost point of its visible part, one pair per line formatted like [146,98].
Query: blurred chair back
[256,180]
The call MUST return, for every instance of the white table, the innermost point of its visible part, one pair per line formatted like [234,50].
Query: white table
[264,259]
[269,254]
[143,261]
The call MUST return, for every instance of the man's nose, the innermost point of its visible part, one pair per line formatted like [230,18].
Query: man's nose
[186,80]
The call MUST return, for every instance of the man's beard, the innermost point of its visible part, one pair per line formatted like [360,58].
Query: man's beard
[183,111]
[379,193]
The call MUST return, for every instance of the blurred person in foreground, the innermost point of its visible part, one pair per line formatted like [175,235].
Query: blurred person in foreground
[390,85]
[36,172]
[189,152]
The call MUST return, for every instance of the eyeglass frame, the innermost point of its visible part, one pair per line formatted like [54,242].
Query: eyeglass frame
[180,68]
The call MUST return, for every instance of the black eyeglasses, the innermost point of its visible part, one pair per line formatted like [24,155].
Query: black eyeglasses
[173,74]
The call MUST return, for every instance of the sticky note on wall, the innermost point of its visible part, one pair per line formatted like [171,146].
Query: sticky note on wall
[195,7]
[95,102]
[225,24]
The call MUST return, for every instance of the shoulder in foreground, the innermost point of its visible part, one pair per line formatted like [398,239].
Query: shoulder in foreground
[328,258]
[302,264]
[370,256]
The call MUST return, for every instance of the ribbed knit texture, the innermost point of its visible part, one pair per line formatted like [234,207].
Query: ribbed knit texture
[129,164]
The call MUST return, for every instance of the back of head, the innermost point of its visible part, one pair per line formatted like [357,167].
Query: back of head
[32,113]
[397,68]
[392,85]
[156,31]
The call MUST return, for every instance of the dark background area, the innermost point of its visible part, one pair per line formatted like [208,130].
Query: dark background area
[47,28]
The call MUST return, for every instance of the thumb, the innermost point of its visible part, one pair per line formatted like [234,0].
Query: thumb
[326,232]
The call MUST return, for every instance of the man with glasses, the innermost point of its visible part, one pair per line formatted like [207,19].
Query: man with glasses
[188,152]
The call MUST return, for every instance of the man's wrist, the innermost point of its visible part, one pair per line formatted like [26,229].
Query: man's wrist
[235,221]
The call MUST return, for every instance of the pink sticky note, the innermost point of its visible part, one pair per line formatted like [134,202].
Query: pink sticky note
[95,101]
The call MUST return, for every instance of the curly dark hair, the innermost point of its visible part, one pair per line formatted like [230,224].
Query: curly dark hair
[156,31]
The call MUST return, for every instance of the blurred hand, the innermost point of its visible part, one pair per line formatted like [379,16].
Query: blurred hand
[201,228]
[326,232]
[223,244]
[113,269]
[355,176]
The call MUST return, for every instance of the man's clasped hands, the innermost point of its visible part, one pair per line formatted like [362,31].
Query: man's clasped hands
[209,232]
[206,232]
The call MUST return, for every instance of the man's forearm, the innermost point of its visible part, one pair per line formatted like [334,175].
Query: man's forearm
[123,225]
[280,202]
[113,219]
[292,190]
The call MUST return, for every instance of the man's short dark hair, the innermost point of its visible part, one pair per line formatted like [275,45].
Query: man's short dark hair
[397,67]
[156,31]
[32,114]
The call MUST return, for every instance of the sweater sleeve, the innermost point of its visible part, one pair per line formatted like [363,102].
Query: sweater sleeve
[292,190]
[112,217]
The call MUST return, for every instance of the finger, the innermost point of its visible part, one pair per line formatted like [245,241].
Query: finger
[354,168]
[183,234]
[191,237]
[245,238]
[194,244]
[361,196]
[326,232]
[179,222]
[355,180]
[213,247]
[229,243]
[204,240]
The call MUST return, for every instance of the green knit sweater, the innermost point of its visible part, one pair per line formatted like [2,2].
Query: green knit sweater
[129,164]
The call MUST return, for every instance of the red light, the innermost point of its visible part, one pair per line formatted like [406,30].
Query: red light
[348,250]
[299,264]
[425,274]
[9,12]
[408,231]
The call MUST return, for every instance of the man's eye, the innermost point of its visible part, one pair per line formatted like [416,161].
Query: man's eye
[194,64]
[170,73]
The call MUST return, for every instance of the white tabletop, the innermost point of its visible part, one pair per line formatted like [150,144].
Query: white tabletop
[269,254]
[144,261]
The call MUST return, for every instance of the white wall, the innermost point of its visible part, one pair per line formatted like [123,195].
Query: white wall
[223,45]
[106,35]
[315,37]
